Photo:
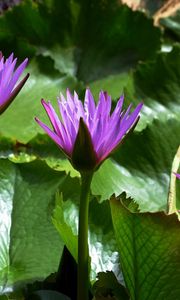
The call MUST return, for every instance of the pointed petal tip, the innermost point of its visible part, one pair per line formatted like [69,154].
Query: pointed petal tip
[25,62]
[88,92]
[37,120]
[140,105]
[121,99]
[44,126]
[15,61]
[60,97]
[75,94]
[43,101]
[26,77]
[68,92]
[11,55]
[68,95]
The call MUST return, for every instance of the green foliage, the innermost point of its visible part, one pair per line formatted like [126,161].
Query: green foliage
[107,285]
[30,247]
[104,45]
[48,295]
[44,82]
[102,245]
[113,39]
[146,176]
[149,245]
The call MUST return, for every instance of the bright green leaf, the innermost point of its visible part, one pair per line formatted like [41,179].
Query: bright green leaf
[102,245]
[18,121]
[142,167]
[149,247]
[30,247]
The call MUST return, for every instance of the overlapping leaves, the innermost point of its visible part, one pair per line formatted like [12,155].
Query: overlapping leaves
[74,44]
[145,159]
[102,245]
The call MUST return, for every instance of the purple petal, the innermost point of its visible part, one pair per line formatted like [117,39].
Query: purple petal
[18,73]
[51,133]
[106,130]
[59,128]
[8,79]
[177,175]
[89,104]
[116,136]
[56,123]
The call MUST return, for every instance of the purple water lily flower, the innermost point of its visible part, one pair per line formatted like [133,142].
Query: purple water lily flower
[9,78]
[90,127]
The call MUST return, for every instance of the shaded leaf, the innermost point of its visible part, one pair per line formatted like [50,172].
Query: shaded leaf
[172,24]
[37,26]
[48,295]
[107,286]
[113,38]
[157,84]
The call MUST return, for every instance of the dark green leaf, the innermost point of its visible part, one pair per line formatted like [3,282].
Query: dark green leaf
[107,285]
[113,38]
[48,295]
[172,23]
[156,83]
[31,25]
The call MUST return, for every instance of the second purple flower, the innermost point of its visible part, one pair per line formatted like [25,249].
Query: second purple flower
[9,86]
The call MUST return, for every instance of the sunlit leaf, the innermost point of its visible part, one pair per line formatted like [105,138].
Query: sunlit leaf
[30,247]
[149,247]
[102,245]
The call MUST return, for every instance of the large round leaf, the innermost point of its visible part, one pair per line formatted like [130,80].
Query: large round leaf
[149,246]
[30,247]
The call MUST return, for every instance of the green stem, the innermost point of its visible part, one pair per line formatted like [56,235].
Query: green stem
[83,253]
